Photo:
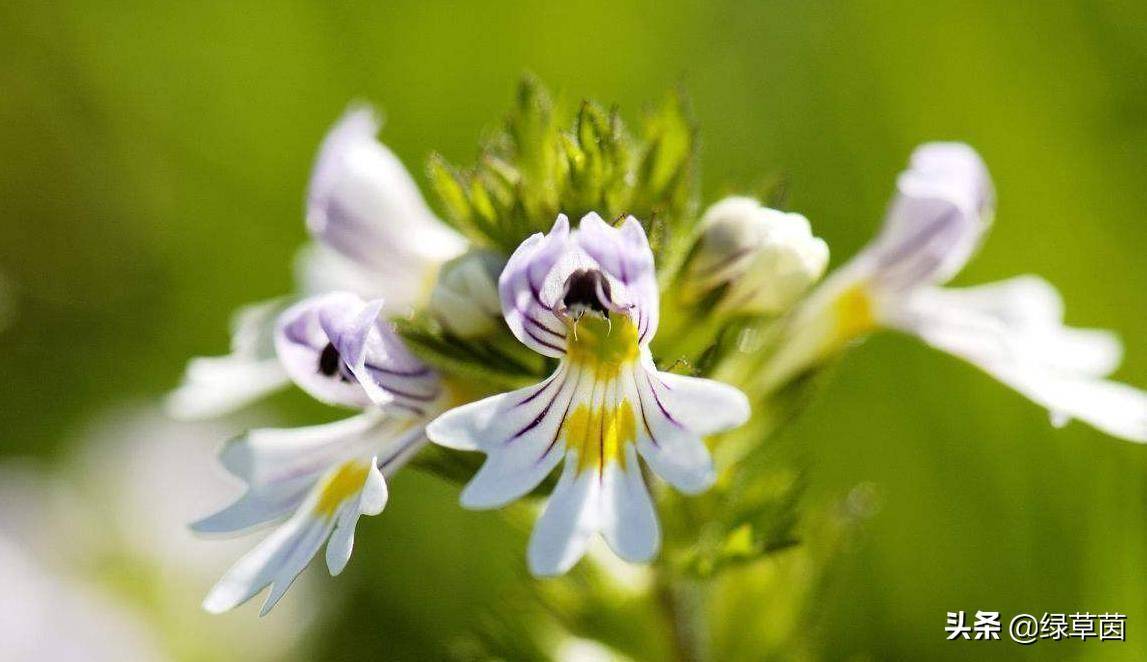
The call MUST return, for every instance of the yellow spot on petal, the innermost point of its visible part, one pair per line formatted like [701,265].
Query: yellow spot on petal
[602,346]
[854,313]
[599,435]
[345,482]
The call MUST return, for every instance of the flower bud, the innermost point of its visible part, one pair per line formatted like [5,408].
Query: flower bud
[766,259]
[465,298]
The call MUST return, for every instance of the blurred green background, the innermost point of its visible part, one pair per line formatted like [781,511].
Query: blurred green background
[154,161]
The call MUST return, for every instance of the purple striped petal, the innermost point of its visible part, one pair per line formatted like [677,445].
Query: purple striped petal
[527,307]
[943,205]
[624,255]
[363,203]
[337,348]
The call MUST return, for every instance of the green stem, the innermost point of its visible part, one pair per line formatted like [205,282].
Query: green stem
[683,603]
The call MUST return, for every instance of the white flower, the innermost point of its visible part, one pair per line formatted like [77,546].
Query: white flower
[590,299]
[1013,330]
[322,478]
[766,258]
[375,236]
[465,299]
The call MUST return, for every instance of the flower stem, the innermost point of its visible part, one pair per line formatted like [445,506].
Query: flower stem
[683,603]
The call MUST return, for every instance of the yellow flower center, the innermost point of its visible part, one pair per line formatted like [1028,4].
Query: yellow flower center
[602,345]
[343,483]
[599,435]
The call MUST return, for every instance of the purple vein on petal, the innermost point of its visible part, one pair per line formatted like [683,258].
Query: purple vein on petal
[641,406]
[541,414]
[544,343]
[657,399]
[558,432]
[543,387]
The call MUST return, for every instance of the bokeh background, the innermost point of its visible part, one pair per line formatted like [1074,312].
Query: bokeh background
[153,157]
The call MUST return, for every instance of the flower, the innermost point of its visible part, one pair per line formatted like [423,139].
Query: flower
[374,236]
[766,258]
[336,349]
[1013,330]
[322,478]
[589,298]
[465,299]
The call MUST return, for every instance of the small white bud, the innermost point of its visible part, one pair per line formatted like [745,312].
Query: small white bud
[766,258]
[465,298]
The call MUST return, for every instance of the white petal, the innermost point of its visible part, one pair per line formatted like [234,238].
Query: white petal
[1025,316]
[281,465]
[218,385]
[1117,409]
[519,433]
[629,522]
[270,455]
[1029,356]
[705,406]
[341,543]
[675,413]
[255,507]
[509,475]
[374,491]
[570,519]
[953,169]
[362,201]
[295,560]
[278,560]
[488,423]
[370,502]
[320,269]
[298,539]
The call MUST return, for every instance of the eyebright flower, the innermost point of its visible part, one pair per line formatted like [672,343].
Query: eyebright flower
[589,298]
[323,477]
[1013,330]
[765,258]
[375,236]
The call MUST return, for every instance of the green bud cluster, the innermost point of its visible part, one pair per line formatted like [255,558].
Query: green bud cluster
[547,161]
